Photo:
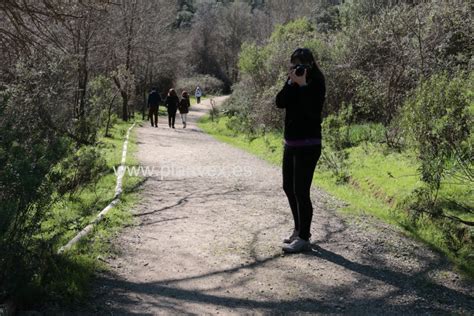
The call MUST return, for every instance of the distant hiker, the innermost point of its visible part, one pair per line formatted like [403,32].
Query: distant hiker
[171,104]
[198,94]
[154,101]
[183,107]
[302,96]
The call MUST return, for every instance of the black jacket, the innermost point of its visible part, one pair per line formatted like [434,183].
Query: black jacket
[184,105]
[303,109]
[172,102]
[154,99]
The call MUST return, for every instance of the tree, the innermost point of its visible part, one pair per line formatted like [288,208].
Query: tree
[141,38]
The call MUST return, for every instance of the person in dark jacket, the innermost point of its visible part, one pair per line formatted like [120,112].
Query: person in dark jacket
[302,97]
[154,101]
[171,104]
[183,107]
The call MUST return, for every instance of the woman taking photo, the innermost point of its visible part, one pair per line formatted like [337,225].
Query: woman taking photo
[171,104]
[302,97]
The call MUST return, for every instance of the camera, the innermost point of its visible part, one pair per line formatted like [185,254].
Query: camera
[300,69]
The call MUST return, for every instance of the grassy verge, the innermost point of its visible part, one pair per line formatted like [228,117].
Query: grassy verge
[69,277]
[380,183]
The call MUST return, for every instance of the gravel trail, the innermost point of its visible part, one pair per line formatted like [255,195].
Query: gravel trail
[208,241]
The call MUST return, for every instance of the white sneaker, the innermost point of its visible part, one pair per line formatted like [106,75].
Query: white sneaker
[292,237]
[297,245]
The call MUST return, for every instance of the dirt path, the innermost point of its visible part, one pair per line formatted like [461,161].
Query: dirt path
[208,242]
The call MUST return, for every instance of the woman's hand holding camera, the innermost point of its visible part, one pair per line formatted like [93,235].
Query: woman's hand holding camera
[299,80]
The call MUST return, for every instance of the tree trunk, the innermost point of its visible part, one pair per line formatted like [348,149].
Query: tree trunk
[124,106]
[109,112]
[144,103]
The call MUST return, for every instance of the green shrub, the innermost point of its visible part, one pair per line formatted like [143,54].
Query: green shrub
[365,133]
[103,104]
[295,30]
[335,142]
[239,105]
[252,61]
[83,166]
[209,85]
[437,120]
[43,156]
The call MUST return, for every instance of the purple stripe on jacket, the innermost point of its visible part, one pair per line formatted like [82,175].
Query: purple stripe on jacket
[302,142]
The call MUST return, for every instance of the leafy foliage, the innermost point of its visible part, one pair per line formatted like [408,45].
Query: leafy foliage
[438,119]
[209,85]
[399,77]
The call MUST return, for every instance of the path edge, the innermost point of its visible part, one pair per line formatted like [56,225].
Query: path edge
[118,192]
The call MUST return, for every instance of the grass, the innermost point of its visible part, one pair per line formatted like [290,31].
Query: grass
[70,274]
[380,183]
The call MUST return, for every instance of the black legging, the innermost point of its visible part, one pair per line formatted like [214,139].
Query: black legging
[153,114]
[298,169]
[171,117]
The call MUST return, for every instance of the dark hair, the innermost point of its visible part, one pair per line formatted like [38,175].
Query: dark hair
[305,56]
[172,92]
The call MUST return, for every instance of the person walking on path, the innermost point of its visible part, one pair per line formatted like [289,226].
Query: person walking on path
[198,94]
[302,97]
[154,101]
[183,107]
[171,104]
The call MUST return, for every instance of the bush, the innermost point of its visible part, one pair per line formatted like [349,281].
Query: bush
[42,157]
[239,106]
[252,62]
[83,166]
[102,103]
[28,149]
[209,85]
[365,133]
[336,141]
[437,120]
